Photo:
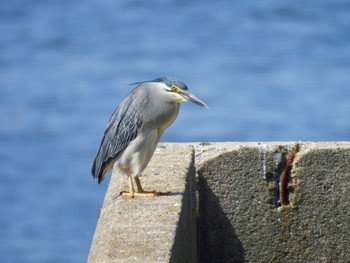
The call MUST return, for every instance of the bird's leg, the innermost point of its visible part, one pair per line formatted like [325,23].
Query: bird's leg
[141,192]
[131,192]
[138,184]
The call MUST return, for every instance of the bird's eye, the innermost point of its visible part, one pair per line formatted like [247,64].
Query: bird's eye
[174,88]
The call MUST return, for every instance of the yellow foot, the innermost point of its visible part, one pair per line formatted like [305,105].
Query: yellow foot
[143,194]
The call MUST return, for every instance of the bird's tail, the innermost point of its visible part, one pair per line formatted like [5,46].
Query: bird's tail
[95,171]
[99,169]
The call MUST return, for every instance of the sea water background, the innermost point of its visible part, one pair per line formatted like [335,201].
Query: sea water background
[269,70]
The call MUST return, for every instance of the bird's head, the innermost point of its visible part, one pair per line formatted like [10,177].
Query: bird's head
[177,90]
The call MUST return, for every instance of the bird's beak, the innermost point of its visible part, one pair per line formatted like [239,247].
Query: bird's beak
[190,97]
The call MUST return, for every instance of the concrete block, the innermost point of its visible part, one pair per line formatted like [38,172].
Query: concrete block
[241,219]
[239,214]
[155,229]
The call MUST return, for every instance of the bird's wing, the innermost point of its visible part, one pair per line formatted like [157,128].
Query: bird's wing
[121,130]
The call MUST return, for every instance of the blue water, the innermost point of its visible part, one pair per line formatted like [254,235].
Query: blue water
[269,70]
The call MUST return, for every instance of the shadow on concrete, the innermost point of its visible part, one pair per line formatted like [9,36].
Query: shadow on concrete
[184,249]
[217,239]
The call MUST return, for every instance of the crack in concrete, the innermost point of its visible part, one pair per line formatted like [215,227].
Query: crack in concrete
[285,176]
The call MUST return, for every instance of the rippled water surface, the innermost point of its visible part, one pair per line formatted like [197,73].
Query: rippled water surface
[271,70]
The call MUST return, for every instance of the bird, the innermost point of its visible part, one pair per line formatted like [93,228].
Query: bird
[135,128]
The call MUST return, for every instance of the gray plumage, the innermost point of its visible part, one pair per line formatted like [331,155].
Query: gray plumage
[136,126]
[122,128]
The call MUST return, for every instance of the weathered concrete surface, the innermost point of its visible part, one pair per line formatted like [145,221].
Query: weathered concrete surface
[157,229]
[240,218]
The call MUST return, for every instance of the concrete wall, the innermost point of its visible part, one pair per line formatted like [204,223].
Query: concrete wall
[239,214]
[241,219]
